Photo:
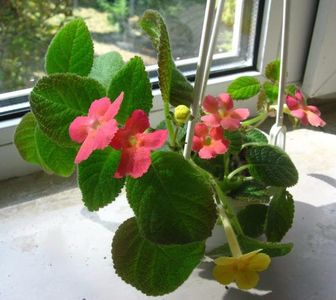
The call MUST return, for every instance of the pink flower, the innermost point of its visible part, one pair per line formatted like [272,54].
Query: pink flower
[136,145]
[307,114]
[221,112]
[96,130]
[209,142]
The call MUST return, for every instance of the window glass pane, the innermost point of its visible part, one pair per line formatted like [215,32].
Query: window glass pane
[26,28]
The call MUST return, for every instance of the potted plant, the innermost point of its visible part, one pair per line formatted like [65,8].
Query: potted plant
[92,114]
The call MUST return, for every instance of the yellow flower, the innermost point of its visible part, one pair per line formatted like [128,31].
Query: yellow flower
[241,269]
[181,114]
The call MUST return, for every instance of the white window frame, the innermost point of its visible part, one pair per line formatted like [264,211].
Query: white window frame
[301,21]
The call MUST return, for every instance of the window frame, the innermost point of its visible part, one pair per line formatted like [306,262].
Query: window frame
[267,49]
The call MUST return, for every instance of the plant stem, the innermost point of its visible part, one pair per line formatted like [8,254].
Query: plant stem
[261,117]
[226,164]
[230,234]
[169,124]
[240,169]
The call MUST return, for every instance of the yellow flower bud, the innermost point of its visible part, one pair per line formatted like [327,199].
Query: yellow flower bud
[181,114]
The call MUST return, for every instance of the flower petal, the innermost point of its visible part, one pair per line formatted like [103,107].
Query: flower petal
[226,101]
[225,260]
[292,102]
[201,130]
[137,123]
[299,97]
[114,107]
[224,274]
[211,120]
[79,129]
[298,113]
[134,162]
[105,133]
[241,113]
[210,104]
[153,140]
[315,120]
[313,109]
[197,144]
[99,107]
[259,262]
[230,123]
[86,149]
[246,279]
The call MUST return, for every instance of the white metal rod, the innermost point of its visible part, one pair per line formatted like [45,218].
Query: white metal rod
[283,63]
[208,41]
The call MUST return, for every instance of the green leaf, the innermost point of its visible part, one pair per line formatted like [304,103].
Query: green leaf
[291,89]
[96,181]
[173,201]
[152,268]
[174,87]
[271,91]
[256,136]
[272,70]
[58,99]
[251,191]
[181,91]
[36,147]
[54,158]
[133,80]
[24,139]
[215,166]
[236,140]
[271,166]
[105,67]
[248,244]
[280,216]
[71,50]
[244,87]
[252,219]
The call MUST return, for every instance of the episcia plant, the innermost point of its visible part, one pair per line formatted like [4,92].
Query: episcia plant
[92,113]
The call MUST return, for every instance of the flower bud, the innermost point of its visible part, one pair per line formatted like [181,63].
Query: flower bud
[181,114]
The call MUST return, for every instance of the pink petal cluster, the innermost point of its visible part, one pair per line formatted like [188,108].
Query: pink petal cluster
[99,130]
[220,112]
[209,142]
[96,130]
[209,139]
[136,145]
[307,114]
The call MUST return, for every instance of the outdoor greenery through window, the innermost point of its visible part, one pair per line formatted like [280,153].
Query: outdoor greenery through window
[26,28]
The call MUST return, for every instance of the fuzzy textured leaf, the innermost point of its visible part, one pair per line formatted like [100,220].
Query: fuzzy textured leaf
[35,147]
[251,191]
[105,67]
[236,140]
[271,91]
[252,219]
[256,136]
[271,166]
[280,216]
[24,139]
[54,158]
[174,87]
[272,70]
[58,99]
[152,268]
[132,79]
[95,178]
[244,87]
[71,50]
[172,202]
